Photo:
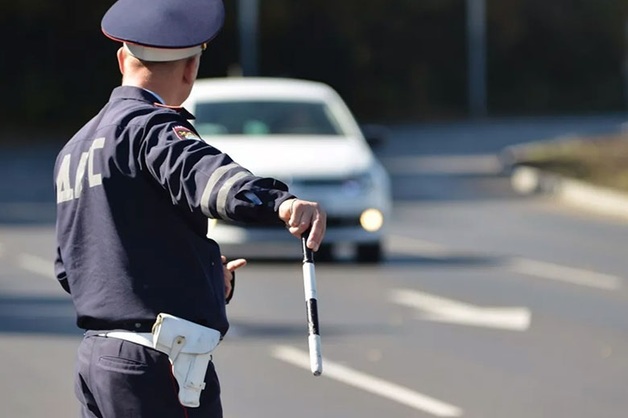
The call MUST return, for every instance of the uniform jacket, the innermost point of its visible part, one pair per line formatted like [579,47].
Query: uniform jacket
[135,187]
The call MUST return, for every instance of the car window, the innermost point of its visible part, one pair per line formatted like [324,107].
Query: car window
[265,118]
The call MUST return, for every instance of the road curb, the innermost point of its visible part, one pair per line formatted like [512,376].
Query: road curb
[527,180]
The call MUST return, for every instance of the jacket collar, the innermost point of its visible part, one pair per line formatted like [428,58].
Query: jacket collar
[138,93]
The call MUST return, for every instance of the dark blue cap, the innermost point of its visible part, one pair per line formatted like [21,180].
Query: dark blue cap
[163,30]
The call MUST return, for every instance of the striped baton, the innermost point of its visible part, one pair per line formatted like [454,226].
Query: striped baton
[309,285]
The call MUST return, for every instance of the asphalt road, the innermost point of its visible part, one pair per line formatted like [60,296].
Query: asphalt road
[488,305]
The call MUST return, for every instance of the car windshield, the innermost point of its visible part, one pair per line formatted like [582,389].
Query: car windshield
[265,118]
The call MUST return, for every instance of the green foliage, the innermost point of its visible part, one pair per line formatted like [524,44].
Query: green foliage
[558,56]
[390,60]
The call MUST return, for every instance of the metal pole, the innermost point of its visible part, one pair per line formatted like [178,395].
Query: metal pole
[476,50]
[625,69]
[248,11]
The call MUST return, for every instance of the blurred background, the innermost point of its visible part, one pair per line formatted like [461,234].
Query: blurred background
[401,61]
[488,303]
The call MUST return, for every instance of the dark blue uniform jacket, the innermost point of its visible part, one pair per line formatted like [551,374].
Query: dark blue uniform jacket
[135,187]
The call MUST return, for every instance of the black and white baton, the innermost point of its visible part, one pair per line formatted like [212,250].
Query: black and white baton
[309,285]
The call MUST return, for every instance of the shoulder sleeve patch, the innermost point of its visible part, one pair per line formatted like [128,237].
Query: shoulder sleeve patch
[184,133]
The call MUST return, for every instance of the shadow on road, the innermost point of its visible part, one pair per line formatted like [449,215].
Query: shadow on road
[277,330]
[445,261]
[38,315]
[55,316]
[390,258]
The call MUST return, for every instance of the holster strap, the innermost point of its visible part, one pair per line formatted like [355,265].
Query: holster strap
[142,338]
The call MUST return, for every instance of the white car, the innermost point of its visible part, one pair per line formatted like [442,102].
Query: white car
[300,132]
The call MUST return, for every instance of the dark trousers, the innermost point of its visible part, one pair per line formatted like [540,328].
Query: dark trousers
[120,379]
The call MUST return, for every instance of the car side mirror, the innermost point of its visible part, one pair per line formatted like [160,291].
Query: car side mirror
[375,135]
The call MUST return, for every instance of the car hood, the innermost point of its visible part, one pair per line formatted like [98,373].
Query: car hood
[292,157]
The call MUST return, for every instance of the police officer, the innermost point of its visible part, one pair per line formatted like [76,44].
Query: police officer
[135,187]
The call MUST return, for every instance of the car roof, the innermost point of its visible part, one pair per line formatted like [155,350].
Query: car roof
[261,87]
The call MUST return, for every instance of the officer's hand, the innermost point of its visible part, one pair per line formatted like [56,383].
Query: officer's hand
[299,215]
[228,268]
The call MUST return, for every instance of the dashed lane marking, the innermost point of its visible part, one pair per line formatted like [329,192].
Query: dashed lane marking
[369,383]
[571,275]
[440,309]
[520,265]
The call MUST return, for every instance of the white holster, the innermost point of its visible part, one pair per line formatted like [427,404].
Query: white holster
[189,347]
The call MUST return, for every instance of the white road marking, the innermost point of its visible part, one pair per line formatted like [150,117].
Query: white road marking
[564,274]
[369,383]
[437,308]
[36,265]
[539,269]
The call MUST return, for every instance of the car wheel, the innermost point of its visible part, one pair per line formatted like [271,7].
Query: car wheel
[325,253]
[369,253]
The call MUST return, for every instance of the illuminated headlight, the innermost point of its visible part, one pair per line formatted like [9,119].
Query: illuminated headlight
[371,220]
[358,184]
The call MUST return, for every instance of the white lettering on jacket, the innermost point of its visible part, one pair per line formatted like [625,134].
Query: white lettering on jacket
[65,192]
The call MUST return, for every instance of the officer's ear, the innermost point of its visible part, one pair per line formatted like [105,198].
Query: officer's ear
[121,55]
[191,69]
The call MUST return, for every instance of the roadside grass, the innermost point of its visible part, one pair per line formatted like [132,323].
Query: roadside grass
[602,161]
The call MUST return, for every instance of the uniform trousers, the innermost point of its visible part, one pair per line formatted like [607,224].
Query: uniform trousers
[119,379]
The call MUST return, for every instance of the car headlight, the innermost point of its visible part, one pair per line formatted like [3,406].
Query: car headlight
[358,184]
[372,220]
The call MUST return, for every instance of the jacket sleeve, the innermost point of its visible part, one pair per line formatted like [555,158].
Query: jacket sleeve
[203,179]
